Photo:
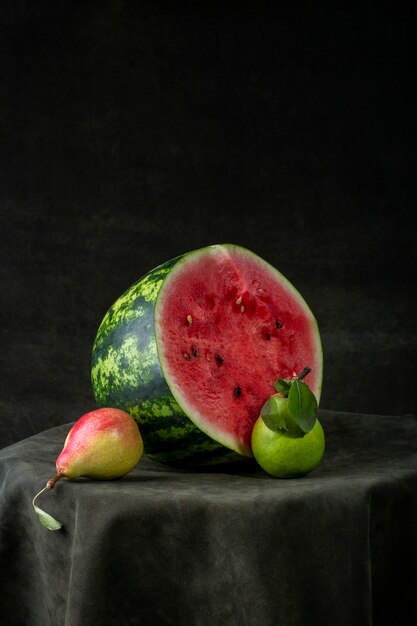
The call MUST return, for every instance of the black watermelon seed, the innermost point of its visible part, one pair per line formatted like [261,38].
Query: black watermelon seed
[278,324]
[267,336]
[219,358]
[237,391]
[194,351]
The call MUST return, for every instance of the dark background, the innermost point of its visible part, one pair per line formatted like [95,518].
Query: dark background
[132,132]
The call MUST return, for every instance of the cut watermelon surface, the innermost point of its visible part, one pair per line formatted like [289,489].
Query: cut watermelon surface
[193,349]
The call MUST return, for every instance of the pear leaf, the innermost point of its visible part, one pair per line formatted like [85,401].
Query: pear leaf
[47,520]
[302,405]
[273,417]
[282,386]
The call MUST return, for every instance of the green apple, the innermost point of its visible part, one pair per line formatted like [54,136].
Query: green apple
[285,454]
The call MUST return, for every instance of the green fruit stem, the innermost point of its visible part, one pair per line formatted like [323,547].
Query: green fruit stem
[51,483]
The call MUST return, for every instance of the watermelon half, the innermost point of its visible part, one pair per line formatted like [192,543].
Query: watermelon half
[192,351]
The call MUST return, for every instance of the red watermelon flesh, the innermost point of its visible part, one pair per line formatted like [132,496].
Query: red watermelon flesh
[228,325]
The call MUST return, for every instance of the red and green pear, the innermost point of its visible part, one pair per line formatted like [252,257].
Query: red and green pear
[102,445]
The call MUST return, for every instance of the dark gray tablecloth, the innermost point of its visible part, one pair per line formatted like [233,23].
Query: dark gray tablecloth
[230,546]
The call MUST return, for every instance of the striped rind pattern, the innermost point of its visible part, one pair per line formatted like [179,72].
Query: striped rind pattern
[126,374]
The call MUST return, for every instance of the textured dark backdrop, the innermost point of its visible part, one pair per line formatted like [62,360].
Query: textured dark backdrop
[131,133]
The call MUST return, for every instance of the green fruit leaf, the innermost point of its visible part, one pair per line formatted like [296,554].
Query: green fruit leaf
[272,416]
[282,386]
[47,520]
[302,405]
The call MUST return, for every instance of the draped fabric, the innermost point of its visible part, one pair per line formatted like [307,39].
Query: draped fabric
[223,546]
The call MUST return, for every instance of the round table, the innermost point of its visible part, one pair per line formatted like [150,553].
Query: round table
[223,546]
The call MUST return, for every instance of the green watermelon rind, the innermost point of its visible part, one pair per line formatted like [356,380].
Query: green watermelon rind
[161,420]
[196,417]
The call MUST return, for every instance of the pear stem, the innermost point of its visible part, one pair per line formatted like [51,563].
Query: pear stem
[304,373]
[51,483]
[37,496]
